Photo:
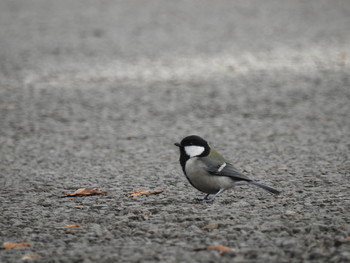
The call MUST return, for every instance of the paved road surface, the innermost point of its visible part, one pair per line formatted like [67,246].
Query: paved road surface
[95,93]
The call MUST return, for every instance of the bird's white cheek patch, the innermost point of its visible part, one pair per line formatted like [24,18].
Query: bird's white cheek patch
[193,151]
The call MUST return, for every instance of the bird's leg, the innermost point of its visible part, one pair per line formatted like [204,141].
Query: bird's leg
[219,192]
[207,199]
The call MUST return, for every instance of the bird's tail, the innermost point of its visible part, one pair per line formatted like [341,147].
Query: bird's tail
[267,188]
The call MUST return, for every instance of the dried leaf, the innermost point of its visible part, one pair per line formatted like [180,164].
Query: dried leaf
[221,249]
[31,256]
[79,206]
[144,192]
[85,192]
[211,226]
[72,226]
[321,118]
[348,238]
[344,56]
[9,245]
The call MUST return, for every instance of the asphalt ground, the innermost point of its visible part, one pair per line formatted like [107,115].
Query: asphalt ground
[95,94]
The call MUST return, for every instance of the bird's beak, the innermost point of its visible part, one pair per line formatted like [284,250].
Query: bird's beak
[177,144]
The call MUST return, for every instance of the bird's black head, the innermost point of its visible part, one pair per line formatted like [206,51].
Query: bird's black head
[193,146]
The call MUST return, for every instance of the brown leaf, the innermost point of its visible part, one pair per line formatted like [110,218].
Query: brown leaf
[221,249]
[211,226]
[344,56]
[72,226]
[144,192]
[9,245]
[85,192]
[79,206]
[30,256]
[348,238]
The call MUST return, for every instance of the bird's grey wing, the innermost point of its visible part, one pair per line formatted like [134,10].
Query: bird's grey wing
[226,169]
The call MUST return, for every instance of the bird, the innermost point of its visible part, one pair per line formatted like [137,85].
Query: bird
[208,171]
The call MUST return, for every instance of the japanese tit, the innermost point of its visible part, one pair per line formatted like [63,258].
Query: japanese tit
[208,171]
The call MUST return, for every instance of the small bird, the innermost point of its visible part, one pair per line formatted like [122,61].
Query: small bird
[208,171]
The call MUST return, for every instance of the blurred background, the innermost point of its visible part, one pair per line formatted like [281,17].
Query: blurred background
[77,76]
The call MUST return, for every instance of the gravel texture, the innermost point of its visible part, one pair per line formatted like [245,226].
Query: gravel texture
[95,93]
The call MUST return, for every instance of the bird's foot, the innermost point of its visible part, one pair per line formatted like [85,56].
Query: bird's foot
[205,199]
